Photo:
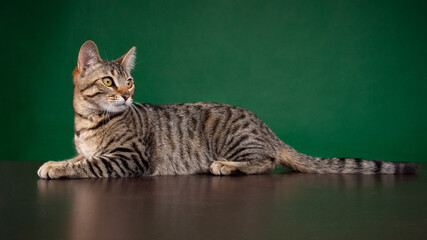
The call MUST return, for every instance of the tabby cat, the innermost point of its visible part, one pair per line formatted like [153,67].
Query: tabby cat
[116,138]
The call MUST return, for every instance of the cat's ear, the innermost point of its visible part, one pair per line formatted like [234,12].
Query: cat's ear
[88,56]
[128,60]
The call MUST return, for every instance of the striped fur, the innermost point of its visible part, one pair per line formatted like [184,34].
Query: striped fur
[115,138]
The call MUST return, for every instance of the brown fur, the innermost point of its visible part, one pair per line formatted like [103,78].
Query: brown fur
[116,138]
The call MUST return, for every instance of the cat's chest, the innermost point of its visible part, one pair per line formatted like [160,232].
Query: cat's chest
[93,137]
[87,145]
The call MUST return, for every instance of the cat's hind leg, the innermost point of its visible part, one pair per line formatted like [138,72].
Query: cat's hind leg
[223,167]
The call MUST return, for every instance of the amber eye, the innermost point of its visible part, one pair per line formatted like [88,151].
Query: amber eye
[107,81]
[129,83]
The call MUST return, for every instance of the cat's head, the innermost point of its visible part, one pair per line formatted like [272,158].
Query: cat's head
[100,85]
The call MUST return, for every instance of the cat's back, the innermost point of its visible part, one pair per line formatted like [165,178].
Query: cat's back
[202,118]
[190,110]
[198,116]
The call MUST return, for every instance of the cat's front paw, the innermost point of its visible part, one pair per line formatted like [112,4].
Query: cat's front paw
[51,170]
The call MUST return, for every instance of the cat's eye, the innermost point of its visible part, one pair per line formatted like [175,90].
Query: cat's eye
[107,81]
[129,83]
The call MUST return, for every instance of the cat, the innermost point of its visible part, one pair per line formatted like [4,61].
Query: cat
[116,138]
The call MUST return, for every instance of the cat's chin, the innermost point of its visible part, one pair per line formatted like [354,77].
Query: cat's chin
[114,108]
[117,109]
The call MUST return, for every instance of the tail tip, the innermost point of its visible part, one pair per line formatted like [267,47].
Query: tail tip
[409,168]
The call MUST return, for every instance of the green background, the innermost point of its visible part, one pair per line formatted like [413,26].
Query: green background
[331,78]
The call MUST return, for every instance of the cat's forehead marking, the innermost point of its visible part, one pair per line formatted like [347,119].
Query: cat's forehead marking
[117,69]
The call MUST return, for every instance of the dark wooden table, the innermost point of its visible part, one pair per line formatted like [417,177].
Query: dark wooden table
[282,205]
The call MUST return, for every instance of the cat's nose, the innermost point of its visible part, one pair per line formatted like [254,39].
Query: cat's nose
[125,96]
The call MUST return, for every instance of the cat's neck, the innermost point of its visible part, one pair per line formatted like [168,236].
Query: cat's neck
[84,113]
[83,110]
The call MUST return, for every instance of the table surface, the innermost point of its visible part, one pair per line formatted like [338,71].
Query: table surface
[282,205]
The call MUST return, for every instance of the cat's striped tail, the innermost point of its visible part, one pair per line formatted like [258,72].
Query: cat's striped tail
[291,158]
